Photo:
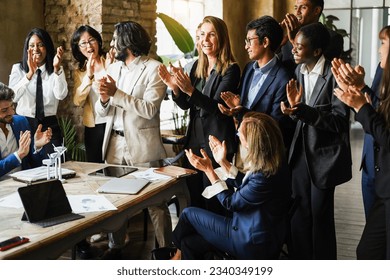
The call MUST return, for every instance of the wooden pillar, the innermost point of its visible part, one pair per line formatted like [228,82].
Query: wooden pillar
[237,14]
[16,23]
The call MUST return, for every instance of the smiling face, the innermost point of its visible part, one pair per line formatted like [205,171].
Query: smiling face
[384,49]
[252,45]
[306,12]
[7,110]
[113,41]
[208,40]
[88,45]
[302,50]
[36,45]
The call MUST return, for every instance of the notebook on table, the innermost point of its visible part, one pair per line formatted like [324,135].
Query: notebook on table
[124,186]
[32,175]
[46,204]
[175,171]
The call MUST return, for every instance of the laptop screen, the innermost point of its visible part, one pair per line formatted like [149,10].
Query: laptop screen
[44,200]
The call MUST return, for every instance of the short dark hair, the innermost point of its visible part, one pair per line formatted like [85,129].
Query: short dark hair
[77,54]
[6,93]
[50,52]
[318,3]
[317,35]
[267,26]
[131,35]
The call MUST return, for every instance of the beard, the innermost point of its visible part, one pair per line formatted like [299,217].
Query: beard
[121,55]
[6,119]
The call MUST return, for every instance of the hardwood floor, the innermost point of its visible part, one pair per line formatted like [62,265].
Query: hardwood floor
[349,215]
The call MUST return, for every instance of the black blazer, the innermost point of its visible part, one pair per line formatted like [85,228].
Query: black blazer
[368,144]
[323,128]
[374,124]
[213,121]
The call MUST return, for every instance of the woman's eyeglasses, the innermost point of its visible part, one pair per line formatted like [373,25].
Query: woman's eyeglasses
[90,42]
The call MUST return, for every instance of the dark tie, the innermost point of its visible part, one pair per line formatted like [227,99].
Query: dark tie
[39,111]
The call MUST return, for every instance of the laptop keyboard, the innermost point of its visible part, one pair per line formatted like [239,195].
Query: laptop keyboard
[59,220]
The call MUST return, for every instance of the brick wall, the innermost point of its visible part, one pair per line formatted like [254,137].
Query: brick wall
[141,11]
[62,17]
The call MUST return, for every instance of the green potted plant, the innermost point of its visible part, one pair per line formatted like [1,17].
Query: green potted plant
[185,44]
[75,150]
[328,21]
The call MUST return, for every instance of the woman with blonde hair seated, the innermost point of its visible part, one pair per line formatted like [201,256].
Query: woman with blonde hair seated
[258,199]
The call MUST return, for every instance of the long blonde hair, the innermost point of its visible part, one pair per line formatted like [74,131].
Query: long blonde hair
[225,56]
[265,143]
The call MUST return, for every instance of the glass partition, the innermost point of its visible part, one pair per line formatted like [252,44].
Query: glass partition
[367,3]
[336,4]
[362,19]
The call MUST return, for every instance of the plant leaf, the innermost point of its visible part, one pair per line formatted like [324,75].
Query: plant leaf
[75,151]
[180,35]
[343,32]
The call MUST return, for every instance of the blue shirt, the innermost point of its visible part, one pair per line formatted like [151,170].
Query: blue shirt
[258,78]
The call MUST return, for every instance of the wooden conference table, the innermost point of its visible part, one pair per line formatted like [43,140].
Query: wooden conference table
[51,242]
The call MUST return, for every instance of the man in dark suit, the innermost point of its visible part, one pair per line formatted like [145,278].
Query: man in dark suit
[320,155]
[264,79]
[18,150]
[307,12]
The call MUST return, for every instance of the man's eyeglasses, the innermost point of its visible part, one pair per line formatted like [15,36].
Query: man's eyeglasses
[90,42]
[248,40]
[5,109]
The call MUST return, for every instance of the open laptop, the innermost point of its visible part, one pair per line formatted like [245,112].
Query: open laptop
[46,204]
[124,185]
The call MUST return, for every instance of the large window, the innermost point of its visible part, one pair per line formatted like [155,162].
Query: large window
[189,13]
[363,19]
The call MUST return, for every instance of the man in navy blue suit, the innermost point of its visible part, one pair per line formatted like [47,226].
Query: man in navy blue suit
[264,79]
[17,148]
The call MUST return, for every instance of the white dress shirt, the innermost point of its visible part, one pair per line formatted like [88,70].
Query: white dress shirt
[9,145]
[122,83]
[310,78]
[54,87]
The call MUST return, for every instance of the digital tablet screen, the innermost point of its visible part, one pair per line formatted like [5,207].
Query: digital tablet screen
[114,171]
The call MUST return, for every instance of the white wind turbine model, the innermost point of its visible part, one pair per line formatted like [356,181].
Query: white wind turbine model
[55,158]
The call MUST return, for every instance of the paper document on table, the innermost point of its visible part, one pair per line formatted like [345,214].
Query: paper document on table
[89,203]
[11,201]
[150,175]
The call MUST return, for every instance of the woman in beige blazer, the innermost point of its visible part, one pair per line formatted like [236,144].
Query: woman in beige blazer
[87,50]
